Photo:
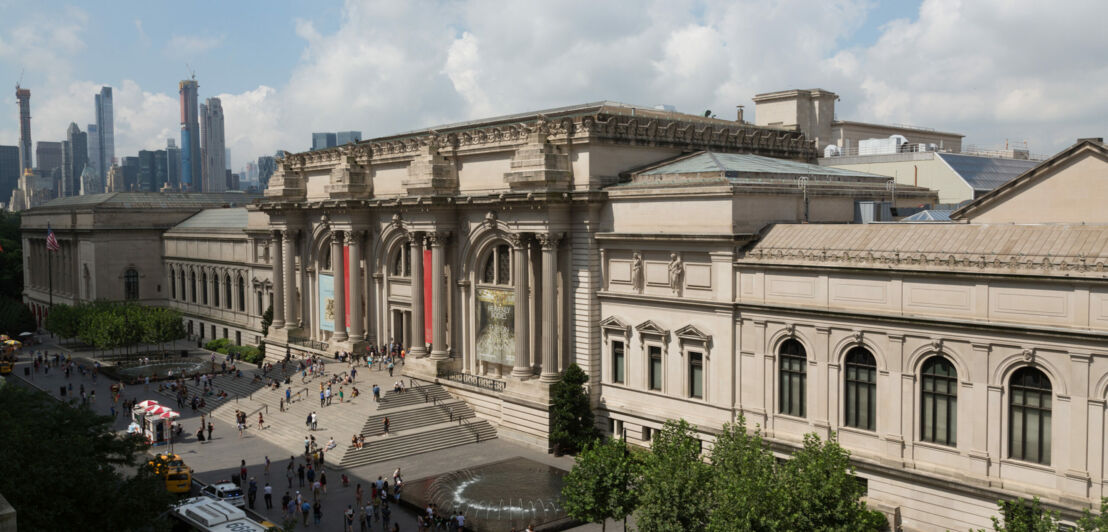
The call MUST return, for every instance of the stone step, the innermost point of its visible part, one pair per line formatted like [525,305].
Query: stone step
[429,439]
[413,396]
[420,416]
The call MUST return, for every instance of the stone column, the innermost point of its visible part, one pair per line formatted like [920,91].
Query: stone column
[419,343]
[338,268]
[357,326]
[289,277]
[522,368]
[549,243]
[438,296]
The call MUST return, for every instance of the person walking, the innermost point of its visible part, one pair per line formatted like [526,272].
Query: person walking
[252,493]
[348,519]
[323,481]
[317,511]
[315,421]
[305,510]
[268,494]
[386,424]
[210,427]
[300,474]
[288,395]
[267,466]
[260,421]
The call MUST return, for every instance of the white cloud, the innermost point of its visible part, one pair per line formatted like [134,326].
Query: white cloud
[993,69]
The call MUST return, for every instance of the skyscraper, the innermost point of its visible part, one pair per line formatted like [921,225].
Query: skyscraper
[266,166]
[172,164]
[146,171]
[191,166]
[104,138]
[49,157]
[74,159]
[213,146]
[322,140]
[23,97]
[346,137]
[161,169]
[130,169]
[94,147]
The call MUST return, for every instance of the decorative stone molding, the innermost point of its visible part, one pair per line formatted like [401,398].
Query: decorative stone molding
[549,240]
[650,329]
[349,179]
[538,164]
[613,323]
[692,334]
[431,173]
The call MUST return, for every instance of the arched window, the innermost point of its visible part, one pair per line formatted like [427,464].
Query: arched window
[327,258]
[215,290]
[792,377]
[204,288]
[172,284]
[227,287]
[861,389]
[192,284]
[242,294]
[1029,416]
[130,284]
[401,265]
[939,401]
[181,279]
[497,268]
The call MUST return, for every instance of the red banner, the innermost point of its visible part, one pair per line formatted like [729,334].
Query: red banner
[427,280]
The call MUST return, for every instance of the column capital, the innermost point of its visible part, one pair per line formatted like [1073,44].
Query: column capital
[549,240]
[436,238]
[517,240]
[275,234]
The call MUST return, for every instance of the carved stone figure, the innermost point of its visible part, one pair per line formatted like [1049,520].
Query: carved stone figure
[676,273]
[637,272]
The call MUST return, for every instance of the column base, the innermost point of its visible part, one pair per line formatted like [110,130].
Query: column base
[418,352]
[522,373]
[439,355]
[549,378]
[340,337]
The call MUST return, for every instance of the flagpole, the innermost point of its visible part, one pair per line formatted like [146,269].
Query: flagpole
[50,277]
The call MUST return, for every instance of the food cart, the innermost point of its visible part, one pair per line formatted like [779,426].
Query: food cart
[154,421]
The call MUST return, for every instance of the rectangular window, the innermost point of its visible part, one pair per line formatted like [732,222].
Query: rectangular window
[213,332]
[225,332]
[647,434]
[655,367]
[260,309]
[696,375]
[238,337]
[618,365]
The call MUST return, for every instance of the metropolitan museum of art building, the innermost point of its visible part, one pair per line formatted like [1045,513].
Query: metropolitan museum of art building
[695,268]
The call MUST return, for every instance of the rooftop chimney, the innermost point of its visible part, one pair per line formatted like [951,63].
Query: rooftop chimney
[740,117]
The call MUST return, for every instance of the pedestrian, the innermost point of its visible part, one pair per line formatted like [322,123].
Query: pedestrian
[289,474]
[311,474]
[322,398]
[281,404]
[252,493]
[348,519]
[285,502]
[300,473]
[386,424]
[288,395]
[323,481]
[390,369]
[308,442]
[306,509]
[268,494]
[210,427]
[317,510]
[260,421]
[385,514]
[340,394]
[242,472]
[315,421]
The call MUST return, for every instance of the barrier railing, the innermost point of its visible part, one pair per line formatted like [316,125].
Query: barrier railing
[473,380]
[309,343]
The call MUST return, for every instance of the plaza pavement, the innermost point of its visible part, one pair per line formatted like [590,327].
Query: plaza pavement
[218,459]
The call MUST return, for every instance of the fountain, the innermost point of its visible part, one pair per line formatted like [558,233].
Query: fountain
[163,369]
[497,497]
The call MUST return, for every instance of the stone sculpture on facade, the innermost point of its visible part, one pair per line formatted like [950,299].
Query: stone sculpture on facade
[676,272]
[637,272]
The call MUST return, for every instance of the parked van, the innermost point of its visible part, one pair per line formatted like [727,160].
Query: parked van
[207,514]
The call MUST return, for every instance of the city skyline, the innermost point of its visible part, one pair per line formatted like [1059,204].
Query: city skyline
[381,68]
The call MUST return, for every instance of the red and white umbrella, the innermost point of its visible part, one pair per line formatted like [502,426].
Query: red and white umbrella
[145,405]
[169,415]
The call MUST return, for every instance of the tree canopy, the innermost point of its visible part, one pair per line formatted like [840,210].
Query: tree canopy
[66,466]
[572,425]
[601,485]
[676,483]
[112,325]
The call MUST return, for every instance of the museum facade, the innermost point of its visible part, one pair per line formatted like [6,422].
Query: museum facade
[694,268]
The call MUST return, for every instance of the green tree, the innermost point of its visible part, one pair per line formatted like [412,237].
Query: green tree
[1090,522]
[571,419]
[11,258]
[15,317]
[64,321]
[675,487]
[66,465]
[746,494]
[1022,515]
[823,493]
[601,484]
[267,320]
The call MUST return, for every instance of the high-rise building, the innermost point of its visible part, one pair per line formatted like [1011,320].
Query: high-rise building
[346,137]
[49,157]
[94,146]
[161,167]
[9,170]
[213,146]
[191,166]
[322,141]
[23,97]
[130,169]
[114,181]
[227,156]
[146,172]
[74,159]
[172,165]
[266,166]
[104,138]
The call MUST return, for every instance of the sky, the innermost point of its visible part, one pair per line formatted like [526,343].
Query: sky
[999,71]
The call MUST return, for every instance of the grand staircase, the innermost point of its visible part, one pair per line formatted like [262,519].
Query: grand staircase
[423,418]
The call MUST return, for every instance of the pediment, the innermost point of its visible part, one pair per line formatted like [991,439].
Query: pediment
[615,324]
[692,333]
[650,328]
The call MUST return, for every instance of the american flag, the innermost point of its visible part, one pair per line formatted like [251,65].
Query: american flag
[51,240]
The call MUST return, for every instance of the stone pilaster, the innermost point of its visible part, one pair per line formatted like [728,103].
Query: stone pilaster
[338,267]
[522,368]
[418,348]
[549,244]
[437,241]
[357,321]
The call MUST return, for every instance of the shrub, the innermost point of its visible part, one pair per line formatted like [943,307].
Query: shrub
[219,345]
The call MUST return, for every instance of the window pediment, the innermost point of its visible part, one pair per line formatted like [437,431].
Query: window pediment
[613,323]
[649,328]
[690,333]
